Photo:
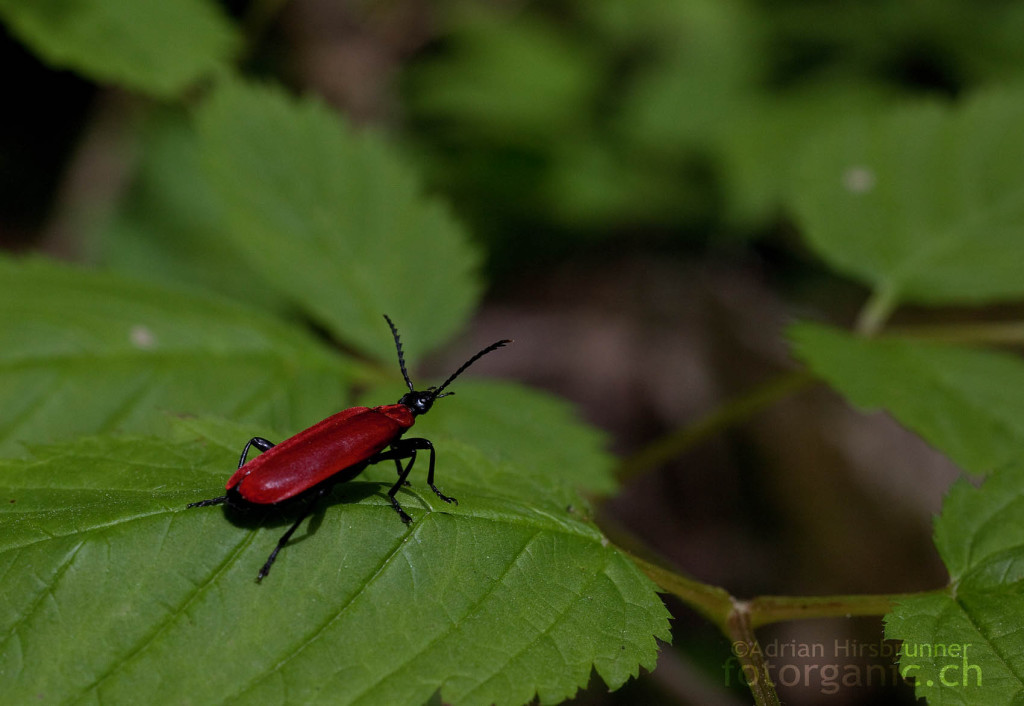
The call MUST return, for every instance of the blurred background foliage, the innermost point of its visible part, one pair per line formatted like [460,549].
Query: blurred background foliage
[627,166]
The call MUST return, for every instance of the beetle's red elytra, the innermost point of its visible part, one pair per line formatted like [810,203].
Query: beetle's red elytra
[309,458]
[305,467]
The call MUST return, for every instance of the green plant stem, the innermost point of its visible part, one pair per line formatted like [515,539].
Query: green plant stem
[876,311]
[740,629]
[712,602]
[739,619]
[765,610]
[1008,333]
[717,604]
[726,415]
[731,616]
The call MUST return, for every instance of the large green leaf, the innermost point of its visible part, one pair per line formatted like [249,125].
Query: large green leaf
[171,227]
[967,403]
[333,219]
[82,352]
[115,593]
[966,646]
[159,47]
[925,203]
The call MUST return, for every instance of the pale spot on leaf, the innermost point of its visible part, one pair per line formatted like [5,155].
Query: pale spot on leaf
[142,337]
[859,180]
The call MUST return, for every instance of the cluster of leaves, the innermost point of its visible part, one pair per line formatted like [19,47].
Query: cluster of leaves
[249,211]
[921,200]
[925,204]
[252,210]
[590,115]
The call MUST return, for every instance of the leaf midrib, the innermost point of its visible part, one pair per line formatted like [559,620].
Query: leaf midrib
[1007,664]
[948,239]
[170,617]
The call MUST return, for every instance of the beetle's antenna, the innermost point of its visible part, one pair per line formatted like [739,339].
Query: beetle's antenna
[494,346]
[401,356]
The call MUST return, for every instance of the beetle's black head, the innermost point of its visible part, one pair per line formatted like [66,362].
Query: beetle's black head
[420,401]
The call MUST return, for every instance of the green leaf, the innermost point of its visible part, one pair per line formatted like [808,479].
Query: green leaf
[594,184]
[171,227]
[966,646]
[757,143]
[705,60]
[967,403]
[515,78]
[158,47]
[512,424]
[334,220]
[925,203]
[115,593]
[83,352]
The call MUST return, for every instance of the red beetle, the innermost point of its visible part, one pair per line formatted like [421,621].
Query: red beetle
[309,464]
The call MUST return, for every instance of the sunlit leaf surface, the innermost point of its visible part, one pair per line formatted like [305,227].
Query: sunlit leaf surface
[115,593]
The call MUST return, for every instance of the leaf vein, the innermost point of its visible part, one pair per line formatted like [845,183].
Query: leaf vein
[545,633]
[162,625]
[292,654]
[47,590]
[1007,663]
[477,605]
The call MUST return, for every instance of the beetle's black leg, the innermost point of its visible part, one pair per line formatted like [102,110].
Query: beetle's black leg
[211,501]
[402,475]
[430,472]
[398,466]
[260,443]
[398,452]
[410,446]
[407,448]
[306,512]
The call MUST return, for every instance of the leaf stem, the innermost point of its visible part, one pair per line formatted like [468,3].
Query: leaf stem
[712,602]
[739,619]
[876,311]
[740,629]
[1008,333]
[765,610]
[717,604]
[722,417]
